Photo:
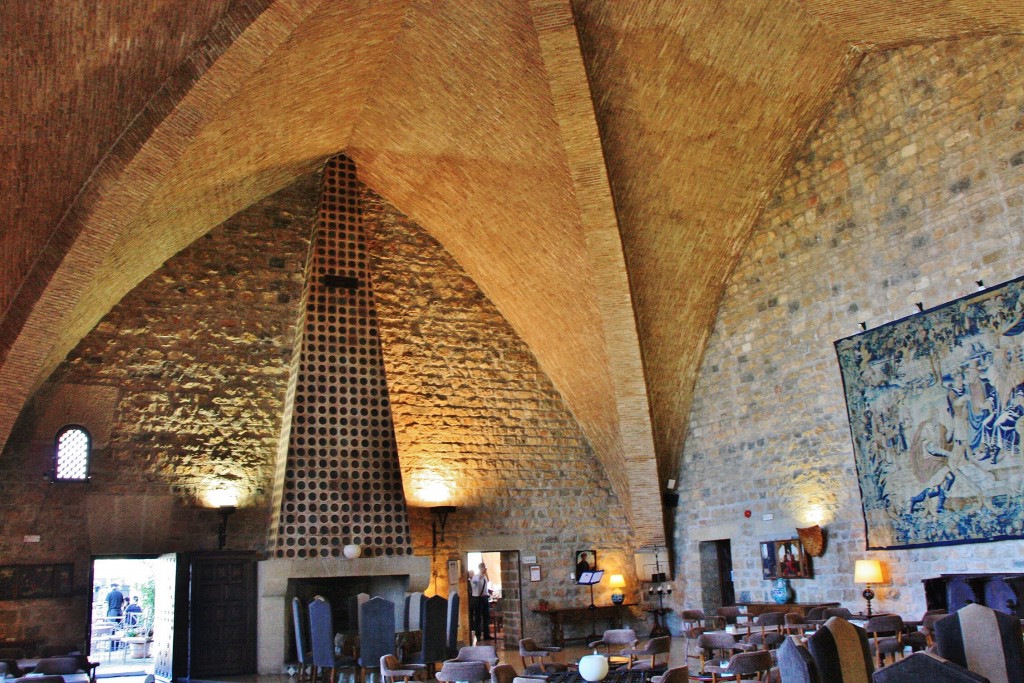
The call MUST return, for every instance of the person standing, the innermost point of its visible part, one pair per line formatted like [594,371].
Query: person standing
[115,603]
[479,604]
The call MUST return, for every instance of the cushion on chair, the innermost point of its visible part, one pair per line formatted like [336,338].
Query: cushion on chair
[984,641]
[921,666]
[796,664]
[840,652]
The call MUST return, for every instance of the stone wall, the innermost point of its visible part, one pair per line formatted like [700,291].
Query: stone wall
[181,386]
[474,413]
[911,190]
[183,383]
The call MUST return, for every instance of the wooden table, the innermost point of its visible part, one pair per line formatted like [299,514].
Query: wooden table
[801,608]
[613,614]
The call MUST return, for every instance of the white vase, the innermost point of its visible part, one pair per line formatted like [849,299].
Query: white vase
[593,667]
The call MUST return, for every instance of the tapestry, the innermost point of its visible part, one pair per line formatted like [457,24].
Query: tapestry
[935,402]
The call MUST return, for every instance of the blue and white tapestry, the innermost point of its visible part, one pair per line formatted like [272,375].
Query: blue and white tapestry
[935,403]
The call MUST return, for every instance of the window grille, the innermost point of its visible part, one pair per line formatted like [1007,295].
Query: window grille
[71,456]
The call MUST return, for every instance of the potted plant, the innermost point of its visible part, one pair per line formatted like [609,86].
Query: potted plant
[138,643]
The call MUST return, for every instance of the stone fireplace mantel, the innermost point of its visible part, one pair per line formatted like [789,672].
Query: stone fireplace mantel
[272,589]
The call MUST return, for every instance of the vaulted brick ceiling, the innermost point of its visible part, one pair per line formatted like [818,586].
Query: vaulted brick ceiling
[598,180]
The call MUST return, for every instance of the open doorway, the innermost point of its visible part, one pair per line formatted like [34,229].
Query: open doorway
[121,628]
[505,605]
[716,583]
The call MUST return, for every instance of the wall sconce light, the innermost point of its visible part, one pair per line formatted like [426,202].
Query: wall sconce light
[867,572]
[225,511]
[441,513]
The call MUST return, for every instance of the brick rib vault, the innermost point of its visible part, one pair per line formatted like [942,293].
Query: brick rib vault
[340,482]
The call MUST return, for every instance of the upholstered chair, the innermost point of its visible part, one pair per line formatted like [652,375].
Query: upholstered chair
[477,653]
[712,647]
[926,667]
[983,640]
[653,649]
[452,671]
[321,636]
[503,673]
[885,636]
[795,663]
[535,657]
[677,674]
[391,670]
[743,665]
[841,653]
[840,612]
[796,624]
[616,639]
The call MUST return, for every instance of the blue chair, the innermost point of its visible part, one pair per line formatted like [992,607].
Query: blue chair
[376,632]
[321,636]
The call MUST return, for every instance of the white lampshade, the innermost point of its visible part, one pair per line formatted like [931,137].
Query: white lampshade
[593,667]
[867,571]
[617,581]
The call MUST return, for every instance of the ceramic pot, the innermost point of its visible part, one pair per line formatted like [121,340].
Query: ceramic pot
[782,593]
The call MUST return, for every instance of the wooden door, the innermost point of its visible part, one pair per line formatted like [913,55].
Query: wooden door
[222,627]
[170,618]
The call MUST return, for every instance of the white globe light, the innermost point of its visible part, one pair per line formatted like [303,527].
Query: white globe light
[352,551]
[593,667]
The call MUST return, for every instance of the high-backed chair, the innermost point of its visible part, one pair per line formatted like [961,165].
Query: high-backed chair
[613,641]
[885,636]
[321,639]
[435,634]
[653,648]
[377,632]
[928,668]
[841,653]
[983,640]
[750,665]
[796,664]
[535,657]
[413,611]
[302,650]
[453,623]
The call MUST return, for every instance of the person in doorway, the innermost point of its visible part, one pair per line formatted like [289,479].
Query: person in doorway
[133,612]
[479,604]
[115,603]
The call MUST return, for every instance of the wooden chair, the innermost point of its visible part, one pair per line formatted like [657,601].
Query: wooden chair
[534,657]
[885,636]
[754,665]
[653,648]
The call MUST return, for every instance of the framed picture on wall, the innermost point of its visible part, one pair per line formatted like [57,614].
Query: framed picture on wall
[584,561]
[784,559]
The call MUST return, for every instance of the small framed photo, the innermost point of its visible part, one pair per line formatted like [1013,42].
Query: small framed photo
[454,572]
[535,572]
[584,561]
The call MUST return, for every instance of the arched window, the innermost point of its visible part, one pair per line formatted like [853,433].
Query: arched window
[73,448]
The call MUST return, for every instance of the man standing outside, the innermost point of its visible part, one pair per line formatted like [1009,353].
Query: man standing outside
[115,602]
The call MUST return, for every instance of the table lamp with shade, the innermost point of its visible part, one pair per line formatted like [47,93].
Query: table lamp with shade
[617,582]
[867,572]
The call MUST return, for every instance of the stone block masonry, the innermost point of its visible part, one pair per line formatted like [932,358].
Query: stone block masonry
[911,189]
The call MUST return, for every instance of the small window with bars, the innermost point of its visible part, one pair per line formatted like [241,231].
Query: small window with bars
[72,450]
